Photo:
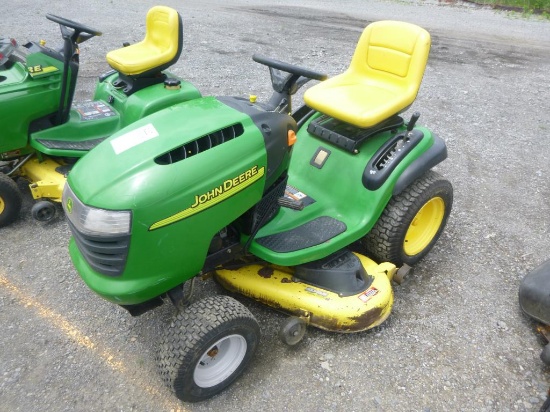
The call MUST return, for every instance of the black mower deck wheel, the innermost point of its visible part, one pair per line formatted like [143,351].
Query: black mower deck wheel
[43,211]
[206,347]
[10,200]
[292,331]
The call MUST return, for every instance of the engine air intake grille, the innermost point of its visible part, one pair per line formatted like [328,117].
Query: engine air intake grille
[200,145]
[105,255]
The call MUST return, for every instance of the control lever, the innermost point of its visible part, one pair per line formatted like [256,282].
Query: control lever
[412,122]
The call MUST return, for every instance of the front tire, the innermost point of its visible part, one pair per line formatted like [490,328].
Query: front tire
[412,222]
[207,346]
[10,200]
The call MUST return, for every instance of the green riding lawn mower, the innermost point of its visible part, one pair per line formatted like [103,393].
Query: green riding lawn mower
[43,133]
[313,211]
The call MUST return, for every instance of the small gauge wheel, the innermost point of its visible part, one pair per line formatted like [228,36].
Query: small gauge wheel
[403,271]
[292,331]
[43,211]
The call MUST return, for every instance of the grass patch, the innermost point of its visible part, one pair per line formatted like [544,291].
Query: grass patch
[525,6]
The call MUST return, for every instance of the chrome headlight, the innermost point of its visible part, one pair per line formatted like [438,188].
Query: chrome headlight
[92,221]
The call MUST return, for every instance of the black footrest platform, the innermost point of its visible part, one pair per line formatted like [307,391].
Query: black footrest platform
[83,145]
[347,136]
[309,234]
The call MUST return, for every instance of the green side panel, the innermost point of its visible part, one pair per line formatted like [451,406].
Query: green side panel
[144,102]
[71,137]
[41,65]
[120,176]
[337,191]
[24,99]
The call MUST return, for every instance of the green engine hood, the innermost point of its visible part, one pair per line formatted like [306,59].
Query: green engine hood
[129,171]
[184,172]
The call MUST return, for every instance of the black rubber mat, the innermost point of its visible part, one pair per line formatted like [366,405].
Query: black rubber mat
[309,234]
[65,145]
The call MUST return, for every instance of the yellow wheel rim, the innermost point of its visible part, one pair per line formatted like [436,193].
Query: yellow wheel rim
[424,226]
[2,205]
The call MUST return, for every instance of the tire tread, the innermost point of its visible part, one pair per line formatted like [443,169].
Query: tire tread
[385,240]
[190,329]
[12,199]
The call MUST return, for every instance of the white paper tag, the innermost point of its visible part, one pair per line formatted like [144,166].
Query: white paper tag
[134,138]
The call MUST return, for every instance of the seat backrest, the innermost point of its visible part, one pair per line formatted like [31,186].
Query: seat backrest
[383,78]
[394,53]
[163,30]
[160,48]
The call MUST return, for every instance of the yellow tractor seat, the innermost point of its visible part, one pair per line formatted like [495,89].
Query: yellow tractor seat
[382,80]
[160,49]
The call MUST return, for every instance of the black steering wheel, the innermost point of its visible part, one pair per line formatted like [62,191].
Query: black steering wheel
[289,68]
[287,78]
[81,32]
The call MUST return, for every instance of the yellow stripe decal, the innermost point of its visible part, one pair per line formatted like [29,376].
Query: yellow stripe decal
[206,200]
[40,70]
[49,69]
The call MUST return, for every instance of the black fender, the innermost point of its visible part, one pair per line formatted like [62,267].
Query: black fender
[430,158]
[534,293]
[386,159]
[274,127]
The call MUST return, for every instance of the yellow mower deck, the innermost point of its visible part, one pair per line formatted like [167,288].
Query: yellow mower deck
[46,181]
[324,309]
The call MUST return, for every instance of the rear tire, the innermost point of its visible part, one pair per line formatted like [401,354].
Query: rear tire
[10,200]
[206,347]
[412,222]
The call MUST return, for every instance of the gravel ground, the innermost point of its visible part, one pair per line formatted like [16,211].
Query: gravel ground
[456,340]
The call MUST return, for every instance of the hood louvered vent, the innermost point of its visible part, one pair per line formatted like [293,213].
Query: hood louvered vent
[200,145]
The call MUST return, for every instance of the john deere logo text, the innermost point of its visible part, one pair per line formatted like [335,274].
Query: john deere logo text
[214,196]
[226,186]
